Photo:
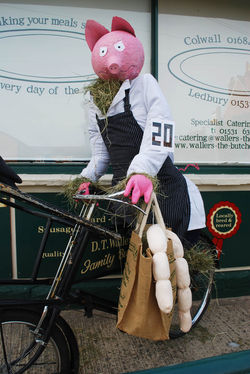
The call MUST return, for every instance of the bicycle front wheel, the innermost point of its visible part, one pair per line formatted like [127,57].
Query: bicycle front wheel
[20,347]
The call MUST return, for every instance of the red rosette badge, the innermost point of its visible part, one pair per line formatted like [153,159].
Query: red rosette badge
[223,221]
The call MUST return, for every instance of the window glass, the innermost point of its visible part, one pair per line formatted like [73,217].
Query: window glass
[204,71]
[45,63]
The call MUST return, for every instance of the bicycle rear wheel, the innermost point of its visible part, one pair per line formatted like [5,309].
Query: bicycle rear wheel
[201,286]
[21,347]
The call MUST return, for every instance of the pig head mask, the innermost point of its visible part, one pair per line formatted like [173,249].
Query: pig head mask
[116,54]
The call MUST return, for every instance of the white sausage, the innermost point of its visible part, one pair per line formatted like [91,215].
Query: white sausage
[164,295]
[156,238]
[185,321]
[177,245]
[182,273]
[184,299]
[161,268]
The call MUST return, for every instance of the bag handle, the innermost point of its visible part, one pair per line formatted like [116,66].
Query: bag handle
[142,218]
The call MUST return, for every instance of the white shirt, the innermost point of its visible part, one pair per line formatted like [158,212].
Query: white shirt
[148,106]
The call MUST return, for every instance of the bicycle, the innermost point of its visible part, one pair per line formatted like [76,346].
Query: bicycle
[33,335]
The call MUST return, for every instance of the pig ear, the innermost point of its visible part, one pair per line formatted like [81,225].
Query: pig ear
[93,32]
[121,24]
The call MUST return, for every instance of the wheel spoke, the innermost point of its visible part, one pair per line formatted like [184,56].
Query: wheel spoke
[22,351]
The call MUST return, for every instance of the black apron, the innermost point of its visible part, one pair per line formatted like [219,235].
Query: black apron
[122,136]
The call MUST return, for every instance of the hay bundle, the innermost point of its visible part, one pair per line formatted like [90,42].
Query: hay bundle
[201,258]
[103,92]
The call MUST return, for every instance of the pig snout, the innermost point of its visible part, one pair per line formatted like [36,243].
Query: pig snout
[114,68]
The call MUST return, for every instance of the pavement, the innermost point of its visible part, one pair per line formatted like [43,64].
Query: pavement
[223,330]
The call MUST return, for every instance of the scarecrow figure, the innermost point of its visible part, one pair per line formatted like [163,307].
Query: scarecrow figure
[135,132]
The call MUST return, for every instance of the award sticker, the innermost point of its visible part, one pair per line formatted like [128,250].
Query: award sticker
[223,221]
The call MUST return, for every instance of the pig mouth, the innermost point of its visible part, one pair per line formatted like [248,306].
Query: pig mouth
[131,67]
[106,73]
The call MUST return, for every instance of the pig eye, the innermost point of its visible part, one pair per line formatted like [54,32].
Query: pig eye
[103,51]
[119,46]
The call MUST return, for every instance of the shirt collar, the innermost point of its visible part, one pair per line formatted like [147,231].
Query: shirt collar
[121,93]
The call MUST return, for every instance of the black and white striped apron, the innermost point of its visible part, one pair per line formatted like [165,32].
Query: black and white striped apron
[122,136]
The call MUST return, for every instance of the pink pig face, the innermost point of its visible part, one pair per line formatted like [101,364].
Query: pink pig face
[117,54]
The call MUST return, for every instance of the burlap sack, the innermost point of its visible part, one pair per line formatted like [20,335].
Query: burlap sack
[138,311]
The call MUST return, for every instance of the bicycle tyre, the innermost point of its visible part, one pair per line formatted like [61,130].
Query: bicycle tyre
[201,287]
[21,345]
[71,342]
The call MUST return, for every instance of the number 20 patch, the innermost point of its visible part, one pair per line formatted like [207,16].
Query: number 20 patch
[162,135]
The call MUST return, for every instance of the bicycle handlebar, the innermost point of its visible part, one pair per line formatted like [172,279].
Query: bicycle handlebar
[110,197]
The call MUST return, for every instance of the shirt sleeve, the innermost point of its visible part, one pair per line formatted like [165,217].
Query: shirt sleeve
[197,210]
[158,137]
[99,155]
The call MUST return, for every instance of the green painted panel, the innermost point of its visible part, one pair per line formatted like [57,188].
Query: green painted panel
[101,257]
[235,250]
[29,232]
[231,284]
[5,252]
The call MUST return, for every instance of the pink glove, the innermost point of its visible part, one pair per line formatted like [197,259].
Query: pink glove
[84,188]
[140,186]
